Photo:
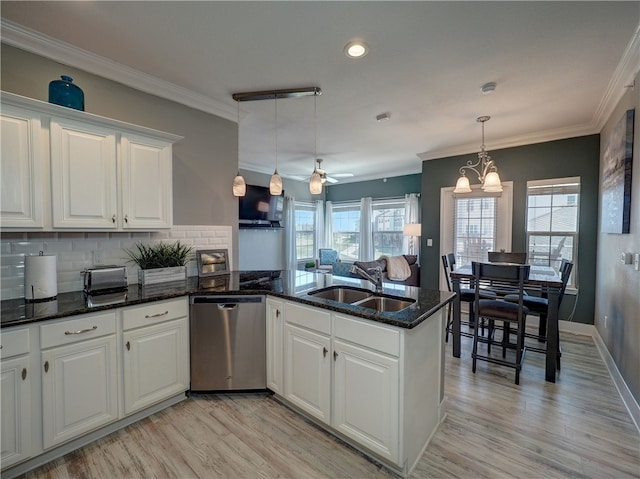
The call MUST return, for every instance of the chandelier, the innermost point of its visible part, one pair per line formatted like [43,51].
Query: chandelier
[484,168]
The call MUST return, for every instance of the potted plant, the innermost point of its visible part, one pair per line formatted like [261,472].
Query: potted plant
[310,265]
[160,262]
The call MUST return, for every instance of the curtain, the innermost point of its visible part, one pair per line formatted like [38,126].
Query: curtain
[328,226]
[290,258]
[318,228]
[412,215]
[366,230]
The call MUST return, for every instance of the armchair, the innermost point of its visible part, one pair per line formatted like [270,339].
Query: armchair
[327,257]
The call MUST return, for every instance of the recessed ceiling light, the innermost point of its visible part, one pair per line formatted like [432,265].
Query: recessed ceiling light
[356,49]
[383,117]
[488,88]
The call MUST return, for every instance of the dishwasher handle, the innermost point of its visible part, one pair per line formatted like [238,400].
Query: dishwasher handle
[239,299]
[227,306]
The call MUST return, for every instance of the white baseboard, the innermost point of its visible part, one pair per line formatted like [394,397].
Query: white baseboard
[627,398]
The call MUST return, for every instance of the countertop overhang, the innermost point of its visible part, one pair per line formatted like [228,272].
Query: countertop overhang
[289,285]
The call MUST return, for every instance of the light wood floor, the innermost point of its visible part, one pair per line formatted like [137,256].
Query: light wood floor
[577,427]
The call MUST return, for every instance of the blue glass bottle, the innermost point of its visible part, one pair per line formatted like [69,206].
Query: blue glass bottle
[64,92]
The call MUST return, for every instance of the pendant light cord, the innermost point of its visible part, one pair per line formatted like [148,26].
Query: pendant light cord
[276,105]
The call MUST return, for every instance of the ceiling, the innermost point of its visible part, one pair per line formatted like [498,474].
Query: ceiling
[560,68]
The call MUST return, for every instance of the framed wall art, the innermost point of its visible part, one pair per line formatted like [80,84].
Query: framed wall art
[616,177]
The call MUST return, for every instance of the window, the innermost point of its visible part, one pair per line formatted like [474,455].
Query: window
[345,221]
[305,234]
[552,222]
[388,224]
[474,223]
[474,232]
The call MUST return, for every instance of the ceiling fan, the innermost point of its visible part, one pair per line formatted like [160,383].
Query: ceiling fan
[331,179]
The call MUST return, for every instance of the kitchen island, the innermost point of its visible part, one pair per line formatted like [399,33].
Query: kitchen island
[372,378]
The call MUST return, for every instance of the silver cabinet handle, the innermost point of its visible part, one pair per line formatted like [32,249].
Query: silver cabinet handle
[277,313]
[24,373]
[335,355]
[81,331]
[324,352]
[113,219]
[46,366]
[157,315]
[128,345]
[126,218]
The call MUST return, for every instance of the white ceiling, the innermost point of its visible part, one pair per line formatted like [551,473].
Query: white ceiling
[560,67]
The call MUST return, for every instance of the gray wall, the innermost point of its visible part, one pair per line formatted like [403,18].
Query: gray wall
[618,285]
[555,159]
[383,188]
[204,162]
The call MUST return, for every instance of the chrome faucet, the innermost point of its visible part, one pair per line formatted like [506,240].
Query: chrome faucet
[376,278]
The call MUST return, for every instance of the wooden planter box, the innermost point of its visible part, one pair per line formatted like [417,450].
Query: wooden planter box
[162,275]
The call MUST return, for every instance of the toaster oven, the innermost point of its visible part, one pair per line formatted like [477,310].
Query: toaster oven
[104,279]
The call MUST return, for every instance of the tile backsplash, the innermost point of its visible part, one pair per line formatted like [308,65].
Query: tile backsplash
[75,252]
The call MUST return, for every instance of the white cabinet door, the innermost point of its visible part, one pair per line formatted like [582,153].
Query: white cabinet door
[79,388]
[146,183]
[156,363]
[83,175]
[20,170]
[15,389]
[307,382]
[275,345]
[366,398]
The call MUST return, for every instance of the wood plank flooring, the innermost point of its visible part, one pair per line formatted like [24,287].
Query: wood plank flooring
[577,428]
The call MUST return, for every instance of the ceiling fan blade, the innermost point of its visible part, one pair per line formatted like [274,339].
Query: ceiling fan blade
[331,180]
[342,175]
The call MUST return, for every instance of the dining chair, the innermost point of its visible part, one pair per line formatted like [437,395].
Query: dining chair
[511,276]
[467,295]
[539,305]
[507,257]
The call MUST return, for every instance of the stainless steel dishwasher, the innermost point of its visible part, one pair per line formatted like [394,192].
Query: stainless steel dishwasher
[228,350]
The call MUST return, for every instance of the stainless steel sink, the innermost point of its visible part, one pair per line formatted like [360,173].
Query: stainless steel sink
[342,294]
[385,303]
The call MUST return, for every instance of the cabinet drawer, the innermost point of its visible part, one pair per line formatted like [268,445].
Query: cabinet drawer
[153,313]
[367,334]
[307,316]
[83,327]
[14,343]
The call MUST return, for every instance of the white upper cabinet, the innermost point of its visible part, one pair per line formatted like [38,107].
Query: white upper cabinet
[20,169]
[106,175]
[83,175]
[146,183]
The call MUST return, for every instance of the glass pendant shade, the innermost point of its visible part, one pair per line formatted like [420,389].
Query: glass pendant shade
[315,183]
[239,186]
[492,183]
[275,184]
[462,185]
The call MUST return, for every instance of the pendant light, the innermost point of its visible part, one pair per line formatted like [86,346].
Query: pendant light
[239,185]
[315,182]
[487,173]
[275,184]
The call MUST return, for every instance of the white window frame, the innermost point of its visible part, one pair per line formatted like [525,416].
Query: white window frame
[557,182]
[303,205]
[447,215]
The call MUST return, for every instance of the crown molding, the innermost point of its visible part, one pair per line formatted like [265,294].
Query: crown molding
[623,77]
[32,41]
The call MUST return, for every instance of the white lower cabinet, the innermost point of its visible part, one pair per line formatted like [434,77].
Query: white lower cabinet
[308,373]
[15,397]
[366,402]
[377,386]
[275,349]
[155,352]
[79,376]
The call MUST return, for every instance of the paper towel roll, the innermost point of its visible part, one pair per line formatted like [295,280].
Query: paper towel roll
[40,277]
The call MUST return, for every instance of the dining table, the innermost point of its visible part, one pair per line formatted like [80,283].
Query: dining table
[542,278]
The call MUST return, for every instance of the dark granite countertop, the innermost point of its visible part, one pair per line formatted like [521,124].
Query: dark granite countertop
[291,285]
